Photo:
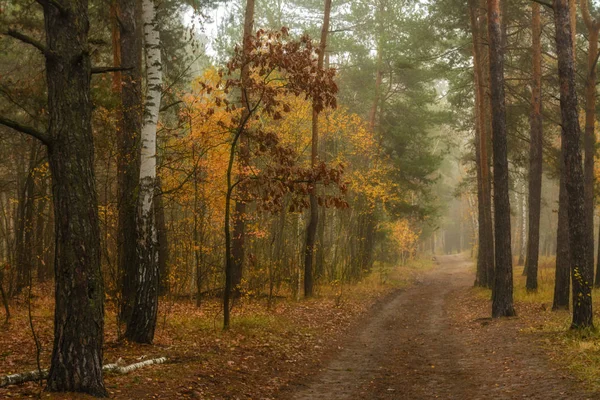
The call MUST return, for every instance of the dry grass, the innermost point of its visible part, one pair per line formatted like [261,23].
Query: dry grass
[578,352]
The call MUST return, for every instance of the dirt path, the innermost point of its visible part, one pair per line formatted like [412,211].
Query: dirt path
[429,343]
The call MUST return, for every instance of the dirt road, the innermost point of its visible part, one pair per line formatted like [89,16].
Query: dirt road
[423,345]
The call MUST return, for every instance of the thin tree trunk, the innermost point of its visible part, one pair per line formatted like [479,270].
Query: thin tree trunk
[24,238]
[142,322]
[311,230]
[502,304]
[486,239]
[40,227]
[238,241]
[582,271]
[128,156]
[535,152]
[162,239]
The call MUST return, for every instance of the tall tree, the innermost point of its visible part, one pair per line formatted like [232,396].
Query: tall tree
[311,229]
[535,151]
[128,158]
[582,270]
[76,362]
[502,304]
[482,249]
[238,241]
[142,322]
[589,140]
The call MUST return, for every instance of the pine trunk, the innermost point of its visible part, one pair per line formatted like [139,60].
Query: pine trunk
[535,152]
[574,182]
[502,304]
[76,363]
[562,283]
[589,140]
[128,158]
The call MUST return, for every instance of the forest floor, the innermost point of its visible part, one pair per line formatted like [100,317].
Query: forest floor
[266,349]
[424,334]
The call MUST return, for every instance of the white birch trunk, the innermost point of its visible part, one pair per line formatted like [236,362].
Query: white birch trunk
[142,323]
[151,108]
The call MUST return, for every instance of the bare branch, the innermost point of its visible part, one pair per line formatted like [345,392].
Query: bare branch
[26,39]
[41,136]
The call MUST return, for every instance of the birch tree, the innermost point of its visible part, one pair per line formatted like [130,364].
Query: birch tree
[142,323]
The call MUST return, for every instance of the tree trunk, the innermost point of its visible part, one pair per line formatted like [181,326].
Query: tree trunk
[24,237]
[593,27]
[502,304]
[142,322]
[485,255]
[239,225]
[562,283]
[128,156]
[582,271]
[162,238]
[311,229]
[535,152]
[40,227]
[76,363]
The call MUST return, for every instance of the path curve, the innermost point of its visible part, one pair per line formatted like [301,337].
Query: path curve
[419,346]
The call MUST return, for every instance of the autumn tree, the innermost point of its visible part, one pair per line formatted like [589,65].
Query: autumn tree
[273,59]
[239,225]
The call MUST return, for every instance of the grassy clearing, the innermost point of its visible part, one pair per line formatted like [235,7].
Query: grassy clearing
[267,347]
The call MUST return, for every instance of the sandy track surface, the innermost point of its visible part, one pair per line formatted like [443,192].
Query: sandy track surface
[427,342]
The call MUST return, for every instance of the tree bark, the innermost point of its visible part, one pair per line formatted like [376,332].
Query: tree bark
[502,304]
[485,255]
[128,157]
[562,283]
[589,140]
[582,271]
[142,322]
[76,363]
[535,152]
[311,229]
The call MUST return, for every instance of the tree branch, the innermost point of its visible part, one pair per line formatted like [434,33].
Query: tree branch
[550,6]
[62,9]
[26,39]
[41,136]
[102,70]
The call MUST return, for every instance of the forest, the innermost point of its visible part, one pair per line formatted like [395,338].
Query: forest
[302,199]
